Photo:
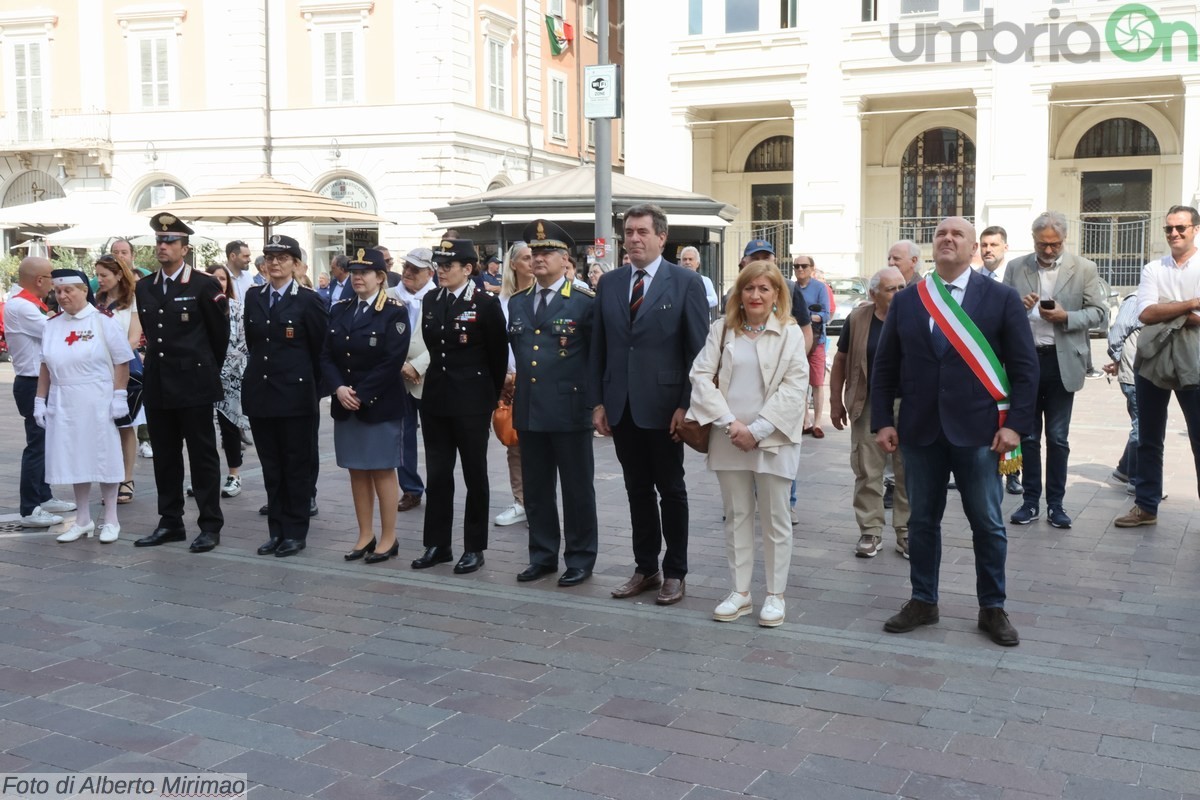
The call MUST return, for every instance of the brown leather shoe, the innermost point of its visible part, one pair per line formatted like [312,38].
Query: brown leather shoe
[637,584]
[408,501]
[671,592]
[994,622]
[1135,518]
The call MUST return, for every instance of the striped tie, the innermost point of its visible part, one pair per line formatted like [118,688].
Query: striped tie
[635,297]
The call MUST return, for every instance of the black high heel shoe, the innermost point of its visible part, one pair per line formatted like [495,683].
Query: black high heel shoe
[355,555]
[375,558]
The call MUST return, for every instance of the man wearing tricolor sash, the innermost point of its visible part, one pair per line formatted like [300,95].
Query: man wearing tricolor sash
[957,348]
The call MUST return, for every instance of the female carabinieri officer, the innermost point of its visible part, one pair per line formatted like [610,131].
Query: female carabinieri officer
[366,346]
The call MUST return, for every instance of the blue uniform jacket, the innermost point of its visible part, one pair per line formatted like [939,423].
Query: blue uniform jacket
[365,352]
[283,369]
[551,352]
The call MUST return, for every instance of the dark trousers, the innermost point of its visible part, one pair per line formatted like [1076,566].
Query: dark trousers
[1152,405]
[169,429]
[34,489]
[547,458]
[285,450]
[1128,464]
[231,441]
[927,469]
[653,469]
[315,455]
[409,477]
[446,438]
[1054,406]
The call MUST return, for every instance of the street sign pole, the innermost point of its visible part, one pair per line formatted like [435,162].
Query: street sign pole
[602,103]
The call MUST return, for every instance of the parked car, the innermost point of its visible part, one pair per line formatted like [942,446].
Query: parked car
[848,293]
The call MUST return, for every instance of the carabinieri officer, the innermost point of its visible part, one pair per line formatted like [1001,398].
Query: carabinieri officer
[463,327]
[550,329]
[285,331]
[185,317]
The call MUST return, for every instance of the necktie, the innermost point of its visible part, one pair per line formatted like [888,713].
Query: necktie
[166,284]
[635,297]
[362,306]
[992,274]
[544,301]
[274,298]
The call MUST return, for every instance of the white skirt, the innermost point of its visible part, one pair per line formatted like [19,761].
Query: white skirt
[82,442]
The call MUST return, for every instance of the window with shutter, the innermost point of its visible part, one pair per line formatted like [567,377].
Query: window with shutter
[497,76]
[338,65]
[558,107]
[28,90]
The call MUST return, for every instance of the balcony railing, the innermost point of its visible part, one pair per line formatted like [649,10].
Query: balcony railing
[55,128]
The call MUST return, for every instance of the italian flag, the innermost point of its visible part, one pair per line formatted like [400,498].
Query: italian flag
[561,34]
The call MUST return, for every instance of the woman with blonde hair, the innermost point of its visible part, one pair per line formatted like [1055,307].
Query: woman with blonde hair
[750,382]
[115,298]
[517,277]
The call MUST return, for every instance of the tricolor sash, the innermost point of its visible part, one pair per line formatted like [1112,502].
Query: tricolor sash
[969,342]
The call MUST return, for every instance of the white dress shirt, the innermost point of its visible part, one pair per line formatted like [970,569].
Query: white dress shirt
[1164,281]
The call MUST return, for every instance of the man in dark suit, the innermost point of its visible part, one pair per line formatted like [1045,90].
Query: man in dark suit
[285,331]
[339,279]
[651,320]
[185,318]
[1062,296]
[464,330]
[550,328]
[950,420]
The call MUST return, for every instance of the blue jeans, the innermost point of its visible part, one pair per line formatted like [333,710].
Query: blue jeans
[410,479]
[927,469]
[1152,429]
[34,489]
[1128,463]
[1054,405]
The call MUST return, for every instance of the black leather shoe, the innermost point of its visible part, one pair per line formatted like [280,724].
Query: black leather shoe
[469,562]
[312,507]
[264,509]
[270,546]
[377,556]
[355,555]
[205,541]
[994,622]
[433,555]
[162,536]
[289,547]
[1012,485]
[534,571]
[573,576]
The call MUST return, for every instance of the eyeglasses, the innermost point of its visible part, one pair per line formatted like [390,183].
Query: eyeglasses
[270,257]
[1048,245]
[389,261]
[802,266]
[1180,229]
[169,239]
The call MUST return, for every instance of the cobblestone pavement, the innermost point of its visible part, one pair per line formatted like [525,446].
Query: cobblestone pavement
[327,679]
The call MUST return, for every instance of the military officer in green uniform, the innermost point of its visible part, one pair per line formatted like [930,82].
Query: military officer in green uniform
[549,328]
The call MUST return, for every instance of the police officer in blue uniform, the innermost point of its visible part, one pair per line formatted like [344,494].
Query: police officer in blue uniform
[463,327]
[285,331]
[550,328]
[185,317]
[364,351]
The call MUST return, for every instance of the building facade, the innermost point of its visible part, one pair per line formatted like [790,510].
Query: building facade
[839,132]
[394,107]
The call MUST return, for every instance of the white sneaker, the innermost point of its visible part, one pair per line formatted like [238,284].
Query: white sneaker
[75,531]
[232,487]
[773,612]
[109,532]
[56,506]
[145,450]
[40,518]
[732,607]
[511,515]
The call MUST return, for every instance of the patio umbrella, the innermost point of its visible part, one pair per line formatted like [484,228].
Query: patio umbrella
[74,209]
[265,202]
[132,226]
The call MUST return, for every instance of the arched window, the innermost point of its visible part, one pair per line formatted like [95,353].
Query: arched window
[159,194]
[771,155]
[937,180]
[1117,137]
[32,186]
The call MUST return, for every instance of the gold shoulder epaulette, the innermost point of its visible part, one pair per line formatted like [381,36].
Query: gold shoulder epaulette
[582,290]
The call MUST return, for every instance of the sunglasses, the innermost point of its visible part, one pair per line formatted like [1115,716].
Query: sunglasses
[169,239]
[1180,229]
[802,266]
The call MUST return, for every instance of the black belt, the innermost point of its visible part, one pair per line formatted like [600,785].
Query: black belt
[1046,348]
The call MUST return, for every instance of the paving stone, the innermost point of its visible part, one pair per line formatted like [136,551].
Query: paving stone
[367,789]
[937,787]
[511,788]
[535,766]
[356,759]
[447,779]
[65,752]
[380,733]
[788,787]
[706,772]
[281,773]
[198,752]
[451,749]
[250,734]
[621,785]
[619,755]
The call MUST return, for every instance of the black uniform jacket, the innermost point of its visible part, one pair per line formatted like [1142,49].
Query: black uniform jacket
[365,352]
[187,333]
[283,371]
[468,352]
[551,350]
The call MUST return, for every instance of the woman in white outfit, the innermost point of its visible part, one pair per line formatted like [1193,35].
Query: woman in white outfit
[80,392]
[115,298]
[517,277]
[750,382]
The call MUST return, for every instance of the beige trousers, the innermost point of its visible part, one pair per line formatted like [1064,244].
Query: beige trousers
[742,492]
[867,460]
[514,474]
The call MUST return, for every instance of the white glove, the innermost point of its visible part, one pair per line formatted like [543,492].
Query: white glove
[120,404]
[39,411]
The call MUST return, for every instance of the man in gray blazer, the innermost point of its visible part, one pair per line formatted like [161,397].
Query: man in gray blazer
[1061,292]
[650,321]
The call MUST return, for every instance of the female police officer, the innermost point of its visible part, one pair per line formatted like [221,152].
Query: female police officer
[366,346]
